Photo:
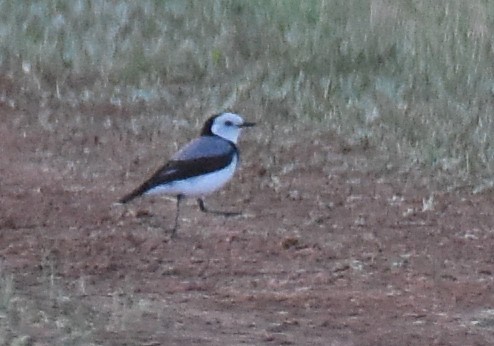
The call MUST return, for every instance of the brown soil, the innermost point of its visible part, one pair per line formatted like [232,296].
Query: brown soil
[327,252]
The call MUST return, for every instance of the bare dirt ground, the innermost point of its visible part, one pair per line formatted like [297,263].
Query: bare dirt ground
[328,252]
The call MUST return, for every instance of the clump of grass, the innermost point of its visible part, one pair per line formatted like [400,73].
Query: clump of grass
[50,315]
[412,78]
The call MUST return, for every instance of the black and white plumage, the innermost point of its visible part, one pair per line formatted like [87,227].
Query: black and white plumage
[203,166]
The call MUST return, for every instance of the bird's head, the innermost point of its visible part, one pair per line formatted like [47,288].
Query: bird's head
[225,125]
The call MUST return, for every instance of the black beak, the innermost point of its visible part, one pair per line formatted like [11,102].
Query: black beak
[247,124]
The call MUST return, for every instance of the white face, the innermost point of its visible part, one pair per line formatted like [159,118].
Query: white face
[228,126]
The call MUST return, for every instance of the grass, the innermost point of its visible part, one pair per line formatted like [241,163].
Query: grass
[58,316]
[414,79]
[55,315]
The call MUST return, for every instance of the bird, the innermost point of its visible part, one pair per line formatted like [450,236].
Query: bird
[201,167]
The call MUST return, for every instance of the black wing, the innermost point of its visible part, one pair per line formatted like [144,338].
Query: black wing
[182,169]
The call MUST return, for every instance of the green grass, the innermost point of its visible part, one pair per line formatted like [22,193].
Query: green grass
[413,78]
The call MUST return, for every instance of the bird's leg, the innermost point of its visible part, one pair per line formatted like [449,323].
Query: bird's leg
[203,208]
[177,214]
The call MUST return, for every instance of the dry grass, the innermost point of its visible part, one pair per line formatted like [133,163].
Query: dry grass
[413,79]
[49,314]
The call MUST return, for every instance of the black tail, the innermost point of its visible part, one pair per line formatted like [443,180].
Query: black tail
[136,193]
[162,176]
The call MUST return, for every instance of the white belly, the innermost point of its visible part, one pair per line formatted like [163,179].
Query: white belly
[197,186]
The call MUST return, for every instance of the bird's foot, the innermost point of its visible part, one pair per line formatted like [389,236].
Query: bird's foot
[203,208]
